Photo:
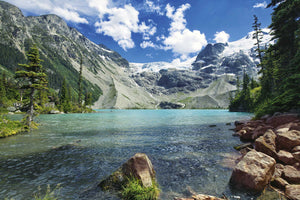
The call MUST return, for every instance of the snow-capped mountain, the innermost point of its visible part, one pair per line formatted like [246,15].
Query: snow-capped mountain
[157,66]
[216,52]
[208,77]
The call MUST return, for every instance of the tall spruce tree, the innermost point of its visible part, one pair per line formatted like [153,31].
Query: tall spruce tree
[3,98]
[80,84]
[88,99]
[35,79]
[257,36]
[65,97]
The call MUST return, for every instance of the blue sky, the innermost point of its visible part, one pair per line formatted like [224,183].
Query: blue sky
[155,30]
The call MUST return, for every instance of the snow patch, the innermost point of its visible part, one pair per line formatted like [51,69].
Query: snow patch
[157,66]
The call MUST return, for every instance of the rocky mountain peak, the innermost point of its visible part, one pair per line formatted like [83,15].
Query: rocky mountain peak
[211,50]
[10,10]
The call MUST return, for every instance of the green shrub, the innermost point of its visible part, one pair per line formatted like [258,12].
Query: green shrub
[50,195]
[133,190]
[9,127]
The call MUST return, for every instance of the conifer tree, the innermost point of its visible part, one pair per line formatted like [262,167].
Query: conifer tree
[3,98]
[65,98]
[35,79]
[257,35]
[88,99]
[238,84]
[79,84]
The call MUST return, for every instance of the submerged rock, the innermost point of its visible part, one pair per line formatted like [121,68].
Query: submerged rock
[254,171]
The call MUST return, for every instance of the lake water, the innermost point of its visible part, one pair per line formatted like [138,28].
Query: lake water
[185,150]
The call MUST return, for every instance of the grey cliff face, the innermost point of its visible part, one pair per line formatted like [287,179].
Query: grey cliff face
[209,55]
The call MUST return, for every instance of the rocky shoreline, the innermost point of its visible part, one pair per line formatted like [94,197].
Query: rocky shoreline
[270,156]
[274,158]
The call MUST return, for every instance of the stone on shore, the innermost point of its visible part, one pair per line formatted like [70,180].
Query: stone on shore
[278,120]
[254,171]
[288,140]
[291,174]
[293,192]
[139,166]
[260,130]
[266,143]
[279,183]
[286,157]
[246,133]
[278,170]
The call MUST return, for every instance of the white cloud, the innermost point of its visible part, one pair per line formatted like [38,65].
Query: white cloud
[151,7]
[146,44]
[120,22]
[260,5]
[181,40]
[69,15]
[221,37]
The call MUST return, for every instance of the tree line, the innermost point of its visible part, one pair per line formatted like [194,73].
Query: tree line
[29,88]
[279,83]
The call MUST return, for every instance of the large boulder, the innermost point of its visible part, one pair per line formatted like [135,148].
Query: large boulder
[139,167]
[288,140]
[266,143]
[293,192]
[279,120]
[291,174]
[254,171]
[260,130]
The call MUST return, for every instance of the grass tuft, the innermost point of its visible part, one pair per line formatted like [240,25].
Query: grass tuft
[134,190]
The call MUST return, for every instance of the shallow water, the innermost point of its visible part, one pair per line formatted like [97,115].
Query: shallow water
[185,151]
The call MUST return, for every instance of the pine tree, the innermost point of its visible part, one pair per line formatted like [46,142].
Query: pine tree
[238,84]
[88,99]
[257,35]
[35,79]
[79,85]
[65,98]
[3,98]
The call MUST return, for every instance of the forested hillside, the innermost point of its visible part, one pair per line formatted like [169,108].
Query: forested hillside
[279,88]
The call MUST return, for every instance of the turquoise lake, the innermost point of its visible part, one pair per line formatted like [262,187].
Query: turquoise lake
[186,151]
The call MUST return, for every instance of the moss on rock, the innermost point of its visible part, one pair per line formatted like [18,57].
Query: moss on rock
[134,180]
